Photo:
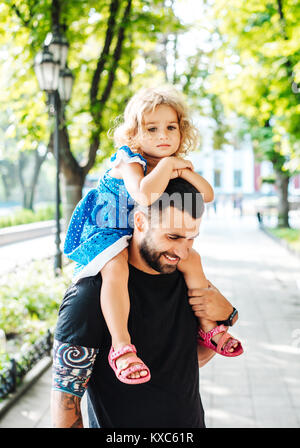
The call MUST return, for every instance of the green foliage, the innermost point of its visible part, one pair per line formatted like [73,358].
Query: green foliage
[4,361]
[268,180]
[24,26]
[257,67]
[29,303]
[28,216]
[29,300]
[109,41]
[291,236]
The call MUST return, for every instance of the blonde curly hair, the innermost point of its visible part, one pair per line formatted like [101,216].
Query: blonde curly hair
[146,100]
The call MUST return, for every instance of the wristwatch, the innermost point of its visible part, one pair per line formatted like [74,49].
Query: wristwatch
[231,319]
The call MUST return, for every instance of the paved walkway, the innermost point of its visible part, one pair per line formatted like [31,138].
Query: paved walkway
[21,253]
[262,279]
[262,387]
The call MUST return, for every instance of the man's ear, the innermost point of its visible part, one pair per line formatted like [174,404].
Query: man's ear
[140,221]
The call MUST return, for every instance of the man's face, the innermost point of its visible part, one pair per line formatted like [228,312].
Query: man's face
[164,243]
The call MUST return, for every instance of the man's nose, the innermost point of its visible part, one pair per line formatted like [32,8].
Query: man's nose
[182,249]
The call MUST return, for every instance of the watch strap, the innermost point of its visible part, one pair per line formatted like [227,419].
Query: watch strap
[228,322]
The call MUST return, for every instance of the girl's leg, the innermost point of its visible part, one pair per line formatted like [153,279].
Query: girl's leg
[115,304]
[195,278]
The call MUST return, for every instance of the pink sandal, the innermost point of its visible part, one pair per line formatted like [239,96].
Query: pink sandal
[123,372]
[205,339]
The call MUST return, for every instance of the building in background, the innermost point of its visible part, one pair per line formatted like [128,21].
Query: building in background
[233,170]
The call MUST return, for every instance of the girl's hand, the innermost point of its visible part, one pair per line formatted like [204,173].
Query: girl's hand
[175,174]
[180,164]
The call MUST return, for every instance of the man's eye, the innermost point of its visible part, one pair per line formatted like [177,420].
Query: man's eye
[173,237]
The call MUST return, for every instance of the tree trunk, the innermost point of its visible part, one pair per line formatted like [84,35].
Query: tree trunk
[71,195]
[282,183]
[5,187]
[72,175]
[21,166]
[38,162]
[29,188]
[8,176]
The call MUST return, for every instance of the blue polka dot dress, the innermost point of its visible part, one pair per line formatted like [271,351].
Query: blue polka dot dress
[102,225]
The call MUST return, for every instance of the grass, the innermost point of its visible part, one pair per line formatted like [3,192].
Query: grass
[27,216]
[291,236]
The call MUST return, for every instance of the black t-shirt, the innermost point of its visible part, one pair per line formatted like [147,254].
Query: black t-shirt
[163,328]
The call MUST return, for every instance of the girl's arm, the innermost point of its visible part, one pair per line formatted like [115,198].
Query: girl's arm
[199,182]
[146,189]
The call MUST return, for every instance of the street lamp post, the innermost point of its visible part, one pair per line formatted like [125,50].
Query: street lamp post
[54,98]
[56,79]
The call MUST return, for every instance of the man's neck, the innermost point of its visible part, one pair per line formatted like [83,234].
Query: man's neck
[136,260]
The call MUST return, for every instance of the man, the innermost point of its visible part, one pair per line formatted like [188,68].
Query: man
[162,323]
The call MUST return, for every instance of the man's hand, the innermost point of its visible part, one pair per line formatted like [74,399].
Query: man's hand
[209,303]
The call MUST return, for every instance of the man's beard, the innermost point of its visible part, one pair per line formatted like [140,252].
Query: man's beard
[153,257]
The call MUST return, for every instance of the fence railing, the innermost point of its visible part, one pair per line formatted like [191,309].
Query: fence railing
[17,367]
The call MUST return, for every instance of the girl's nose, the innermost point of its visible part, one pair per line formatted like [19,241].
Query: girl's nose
[162,134]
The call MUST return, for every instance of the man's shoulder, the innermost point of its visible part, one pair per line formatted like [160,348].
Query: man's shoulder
[80,319]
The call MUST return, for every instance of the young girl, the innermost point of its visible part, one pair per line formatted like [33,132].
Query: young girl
[156,132]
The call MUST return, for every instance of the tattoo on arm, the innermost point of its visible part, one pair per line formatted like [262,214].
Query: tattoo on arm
[71,403]
[66,411]
[72,369]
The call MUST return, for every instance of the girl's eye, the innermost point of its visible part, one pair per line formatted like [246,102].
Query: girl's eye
[170,128]
[172,237]
[151,129]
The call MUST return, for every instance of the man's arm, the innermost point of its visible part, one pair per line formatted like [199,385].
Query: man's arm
[72,369]
[198,182]
[210,304]
[65,410]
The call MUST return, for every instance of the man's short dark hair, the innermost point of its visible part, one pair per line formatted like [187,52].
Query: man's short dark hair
[181,195]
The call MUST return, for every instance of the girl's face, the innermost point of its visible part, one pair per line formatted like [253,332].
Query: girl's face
[160,136]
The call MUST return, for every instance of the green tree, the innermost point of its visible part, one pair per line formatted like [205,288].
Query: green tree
[23,117]
[108,40]
[188,67]
[256,74]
